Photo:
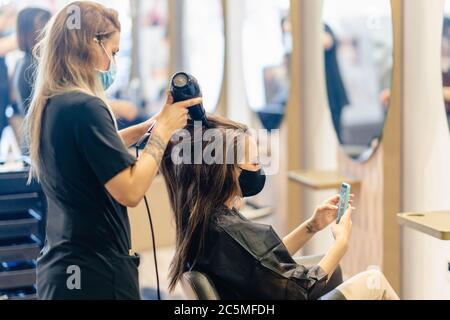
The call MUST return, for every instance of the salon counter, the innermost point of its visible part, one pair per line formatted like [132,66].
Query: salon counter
[435,224]
[321,180]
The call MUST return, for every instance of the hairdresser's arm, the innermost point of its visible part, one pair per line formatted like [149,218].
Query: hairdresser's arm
[7,45]
[130,185]
[341,233]
[132,134]
[124,109]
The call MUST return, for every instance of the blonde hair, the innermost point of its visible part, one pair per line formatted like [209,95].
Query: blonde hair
[66,62]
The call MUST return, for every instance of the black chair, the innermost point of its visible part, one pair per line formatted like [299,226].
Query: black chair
[198,286]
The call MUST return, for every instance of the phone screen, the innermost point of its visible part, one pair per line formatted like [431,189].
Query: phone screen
[343,201]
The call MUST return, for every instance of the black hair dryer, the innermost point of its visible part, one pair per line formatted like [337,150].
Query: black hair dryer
[184,86]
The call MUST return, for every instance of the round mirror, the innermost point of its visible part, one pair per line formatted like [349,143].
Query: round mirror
[203,41]
[154,52]
[266,51]
[358,50]
[446,59]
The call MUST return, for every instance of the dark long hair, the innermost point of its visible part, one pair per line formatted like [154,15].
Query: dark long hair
[30,24]
[197,190]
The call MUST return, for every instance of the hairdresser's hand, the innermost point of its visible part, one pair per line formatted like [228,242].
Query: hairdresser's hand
[174,116]
[343,229]
[326,213]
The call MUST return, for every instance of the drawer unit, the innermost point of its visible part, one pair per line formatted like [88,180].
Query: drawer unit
[22,231]
[19,202]
[19,224]
[16,183]
[19,249]
[27,293]
[17,275]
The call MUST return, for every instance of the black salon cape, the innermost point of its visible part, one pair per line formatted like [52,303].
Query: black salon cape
[246,260]
[87,229]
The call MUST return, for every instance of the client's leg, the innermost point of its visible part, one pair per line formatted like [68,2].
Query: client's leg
[368,285]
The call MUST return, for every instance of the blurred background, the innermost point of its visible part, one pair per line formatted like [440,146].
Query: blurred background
[348,90]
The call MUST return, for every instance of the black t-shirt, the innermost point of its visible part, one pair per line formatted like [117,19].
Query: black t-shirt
[81,150]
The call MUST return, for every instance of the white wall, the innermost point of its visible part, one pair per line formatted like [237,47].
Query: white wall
[426,151]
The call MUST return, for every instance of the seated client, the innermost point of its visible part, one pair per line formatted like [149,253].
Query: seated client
[246,260]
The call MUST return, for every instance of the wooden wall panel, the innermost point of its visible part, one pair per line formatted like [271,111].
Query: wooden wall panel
[366,245]
[376,234]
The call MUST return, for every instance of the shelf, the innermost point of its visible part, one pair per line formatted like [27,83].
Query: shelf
[28,293]
[19,224]
[321,180]
[20,249]
[16,183]
[435,224]
[17,275]
[18,202]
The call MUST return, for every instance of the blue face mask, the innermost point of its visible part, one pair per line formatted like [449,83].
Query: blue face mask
[107,77]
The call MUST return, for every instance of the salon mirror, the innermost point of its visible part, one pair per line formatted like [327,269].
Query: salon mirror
[203,47]
[358,50]
[446,59]
[266,51]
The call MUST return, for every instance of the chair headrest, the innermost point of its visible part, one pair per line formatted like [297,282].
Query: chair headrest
[198,286]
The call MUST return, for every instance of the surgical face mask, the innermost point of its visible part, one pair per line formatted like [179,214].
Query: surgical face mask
[107,77]
[252,182]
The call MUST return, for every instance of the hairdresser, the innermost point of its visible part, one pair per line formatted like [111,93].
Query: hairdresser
[82,161]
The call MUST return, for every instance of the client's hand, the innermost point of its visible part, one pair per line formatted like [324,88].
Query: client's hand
[326,213]
[343,229]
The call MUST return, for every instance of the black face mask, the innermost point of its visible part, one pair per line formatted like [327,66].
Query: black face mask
[252,182]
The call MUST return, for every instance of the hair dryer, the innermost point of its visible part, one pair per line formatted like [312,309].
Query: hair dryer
[184,86]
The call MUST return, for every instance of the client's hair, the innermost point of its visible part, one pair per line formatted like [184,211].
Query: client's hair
[196,190]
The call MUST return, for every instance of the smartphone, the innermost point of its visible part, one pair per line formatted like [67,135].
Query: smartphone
[343,201]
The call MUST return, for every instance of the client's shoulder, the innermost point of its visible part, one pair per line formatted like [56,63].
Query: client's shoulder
[255,238]
[234,223]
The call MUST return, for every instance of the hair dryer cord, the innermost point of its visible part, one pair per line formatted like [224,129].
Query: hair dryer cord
[153,234]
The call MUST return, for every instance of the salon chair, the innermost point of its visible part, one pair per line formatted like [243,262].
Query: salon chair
[198,286]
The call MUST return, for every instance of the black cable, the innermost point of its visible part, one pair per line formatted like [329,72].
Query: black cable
[153,237]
